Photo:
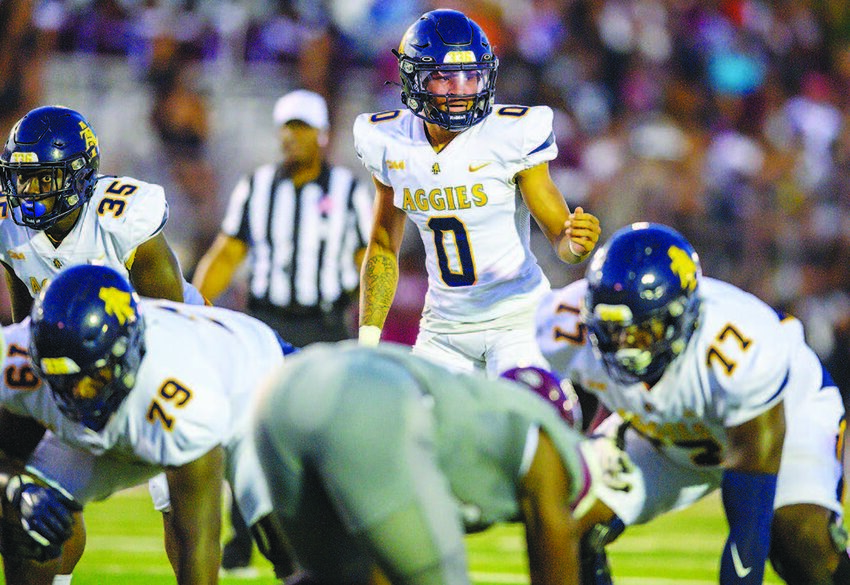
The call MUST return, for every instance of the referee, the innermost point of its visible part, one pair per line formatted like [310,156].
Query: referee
[304,223]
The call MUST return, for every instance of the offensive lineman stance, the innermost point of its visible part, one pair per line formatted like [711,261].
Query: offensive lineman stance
[718,391]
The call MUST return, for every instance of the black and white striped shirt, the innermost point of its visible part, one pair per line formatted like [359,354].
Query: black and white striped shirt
[302,241]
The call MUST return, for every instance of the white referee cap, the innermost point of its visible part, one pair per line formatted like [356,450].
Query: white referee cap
[304,105]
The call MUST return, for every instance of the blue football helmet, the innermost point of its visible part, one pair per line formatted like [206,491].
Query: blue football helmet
[545,384]
[87,341]
[445,45]
[642,302]
[55,147]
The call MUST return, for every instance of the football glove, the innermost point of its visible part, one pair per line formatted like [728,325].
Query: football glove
[46,510]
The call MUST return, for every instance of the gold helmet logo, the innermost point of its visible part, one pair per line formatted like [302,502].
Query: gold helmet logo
[117,303]
[684,267]
[91,140]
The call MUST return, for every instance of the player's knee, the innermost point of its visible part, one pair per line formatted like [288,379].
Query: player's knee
[803,547]
[271,541]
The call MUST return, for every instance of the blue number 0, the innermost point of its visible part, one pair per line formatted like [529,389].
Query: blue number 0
[440,226]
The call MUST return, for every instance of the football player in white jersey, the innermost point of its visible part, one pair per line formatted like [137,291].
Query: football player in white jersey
[469,175]
[716,390]
[137,387]
[64,213]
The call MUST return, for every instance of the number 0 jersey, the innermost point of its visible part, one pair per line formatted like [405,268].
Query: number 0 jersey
[466,204]
[122,214]
[743,358]
[201,368]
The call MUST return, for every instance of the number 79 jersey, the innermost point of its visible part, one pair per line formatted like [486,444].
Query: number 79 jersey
[466,204]
[201,369]
[122,214]
[742,360]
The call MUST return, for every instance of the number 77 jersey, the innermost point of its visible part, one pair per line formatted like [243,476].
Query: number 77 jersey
[742,359]
[464,200]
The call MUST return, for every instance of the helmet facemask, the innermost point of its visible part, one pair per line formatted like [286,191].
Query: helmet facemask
[67,181]
[91,397]
[430,90]
[635,351]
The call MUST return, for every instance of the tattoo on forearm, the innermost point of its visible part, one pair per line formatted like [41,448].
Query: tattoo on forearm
[380,281]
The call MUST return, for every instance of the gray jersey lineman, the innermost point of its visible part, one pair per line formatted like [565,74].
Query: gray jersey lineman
[376,455]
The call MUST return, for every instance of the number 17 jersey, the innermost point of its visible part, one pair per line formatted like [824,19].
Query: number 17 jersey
[464,200]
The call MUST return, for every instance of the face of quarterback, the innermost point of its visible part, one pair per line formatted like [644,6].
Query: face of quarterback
[458,87]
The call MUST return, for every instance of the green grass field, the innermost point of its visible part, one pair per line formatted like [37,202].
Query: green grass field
[125,547]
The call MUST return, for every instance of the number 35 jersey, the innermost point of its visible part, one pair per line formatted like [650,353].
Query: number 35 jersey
[122,214]
[742,360]
[466,204]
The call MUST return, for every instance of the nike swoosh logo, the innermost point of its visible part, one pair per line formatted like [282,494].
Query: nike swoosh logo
[473,168]
[740,569]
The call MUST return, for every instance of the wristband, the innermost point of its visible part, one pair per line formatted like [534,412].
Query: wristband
[369,335]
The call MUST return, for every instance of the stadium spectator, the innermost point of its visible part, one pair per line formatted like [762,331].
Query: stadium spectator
[133,388]
[180,114]
[454,170]
[379,458]
[712,388]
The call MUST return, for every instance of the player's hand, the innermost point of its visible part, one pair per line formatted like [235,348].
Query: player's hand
[581,232]
[46,511]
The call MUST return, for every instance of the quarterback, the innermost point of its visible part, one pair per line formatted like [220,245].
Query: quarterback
[134,388]
[716,390]
[469,174]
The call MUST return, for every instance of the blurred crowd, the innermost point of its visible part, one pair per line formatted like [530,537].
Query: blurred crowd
[726,119]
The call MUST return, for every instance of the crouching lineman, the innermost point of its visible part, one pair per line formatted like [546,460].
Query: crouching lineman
[379,461]
[717,390]
[132,388]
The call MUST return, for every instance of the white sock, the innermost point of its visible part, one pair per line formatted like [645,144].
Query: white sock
[62,580]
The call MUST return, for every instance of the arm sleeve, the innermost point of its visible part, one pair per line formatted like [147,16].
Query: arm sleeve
[748,502]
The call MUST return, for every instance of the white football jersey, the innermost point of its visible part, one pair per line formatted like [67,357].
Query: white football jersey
[743,358]
[466,204]
[122,214]
[193,391]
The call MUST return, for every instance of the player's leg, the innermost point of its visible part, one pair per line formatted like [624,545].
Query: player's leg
[451,350]
[236,553]
[506,348]
[808,542]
